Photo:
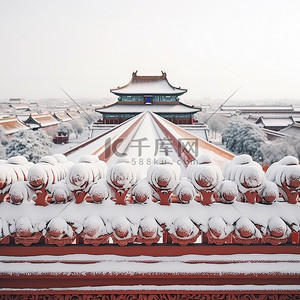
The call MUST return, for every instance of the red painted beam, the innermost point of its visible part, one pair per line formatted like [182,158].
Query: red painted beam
[88,279]
[218,293]
[153,250]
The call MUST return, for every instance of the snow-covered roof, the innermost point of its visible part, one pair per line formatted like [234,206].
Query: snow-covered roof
[148,85]
[62,116]
[258,108]
[275,122]
[156,108]
[296,119]
[42,120]
[143,127]
[272,134]
[21,106]
[73,114]
[292,130]
[198,130]
[12,125]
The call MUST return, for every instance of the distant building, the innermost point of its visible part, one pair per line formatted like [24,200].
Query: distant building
[292,130]
[148,93]
[15,100]
[73,114]
[258,109]
[12,125]
[273,135]
[45,121]
[275,124]
[62,116]
[17,105]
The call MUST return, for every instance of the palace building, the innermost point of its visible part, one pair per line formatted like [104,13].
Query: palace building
[148,93]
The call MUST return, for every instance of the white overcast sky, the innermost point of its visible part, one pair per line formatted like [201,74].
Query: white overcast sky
[209,47]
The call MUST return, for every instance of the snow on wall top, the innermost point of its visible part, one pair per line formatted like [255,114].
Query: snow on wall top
[148,85]
[117,203]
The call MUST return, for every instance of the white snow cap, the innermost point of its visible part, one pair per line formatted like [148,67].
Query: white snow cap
[58,169]
[278,227]
[142,191]
[121,227]
[185,191]
[252,176]
[246,173]
[202,159]
[183,227]
[244,223]
[37,173]
[79,176]
[61,158]
[24,224]
[94,226]
[289,160]
[18,160]
[98,167]
[165,174]
[21,165]
[218,227]
[60,190]
[48,159]
[100,191]
[228,188]
[206,176]
[242,159]
[269,189]
[121,175]
[20,190]
[60,225]
[285,170]
[149,225]
[7,174]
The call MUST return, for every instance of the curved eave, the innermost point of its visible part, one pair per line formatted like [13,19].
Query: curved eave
[138,108]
